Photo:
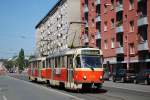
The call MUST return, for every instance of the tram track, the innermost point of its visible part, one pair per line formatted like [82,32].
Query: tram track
[89,94]
[104,94]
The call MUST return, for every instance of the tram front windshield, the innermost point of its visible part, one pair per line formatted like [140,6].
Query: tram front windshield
[90,61]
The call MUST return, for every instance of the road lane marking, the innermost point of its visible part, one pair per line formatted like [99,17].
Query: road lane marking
[4,97]
[52,90]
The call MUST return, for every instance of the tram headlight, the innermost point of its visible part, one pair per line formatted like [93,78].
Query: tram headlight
[84,77]
[101,77]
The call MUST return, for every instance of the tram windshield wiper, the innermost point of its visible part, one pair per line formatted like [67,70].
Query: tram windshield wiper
[92,68]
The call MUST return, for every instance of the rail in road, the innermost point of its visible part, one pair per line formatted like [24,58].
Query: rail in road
[107,93]
[128,86]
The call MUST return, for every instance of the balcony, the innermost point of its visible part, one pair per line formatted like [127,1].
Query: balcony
[98,2]
[142,21]
[98,18]
[119,29]
[97,35]
[86,9]
[119,50]
[119,8]
[86,24]
[143,46]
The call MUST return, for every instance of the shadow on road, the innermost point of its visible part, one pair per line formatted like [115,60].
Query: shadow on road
[87,91]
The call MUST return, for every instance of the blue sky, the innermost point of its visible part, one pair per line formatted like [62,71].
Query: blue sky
[18,19]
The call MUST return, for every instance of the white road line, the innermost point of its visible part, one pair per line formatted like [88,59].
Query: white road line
[4,97]
[52,90]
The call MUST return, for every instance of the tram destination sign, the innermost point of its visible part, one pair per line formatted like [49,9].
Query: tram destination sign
[90,52]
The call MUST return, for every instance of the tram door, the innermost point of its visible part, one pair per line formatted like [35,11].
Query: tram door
[39,64]
[70,68]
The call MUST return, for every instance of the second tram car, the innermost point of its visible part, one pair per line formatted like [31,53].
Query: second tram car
[72,69]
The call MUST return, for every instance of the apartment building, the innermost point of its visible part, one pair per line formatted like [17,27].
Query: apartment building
[90,15]
[120,28]
[59,28]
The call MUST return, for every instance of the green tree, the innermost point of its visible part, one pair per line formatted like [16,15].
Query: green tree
[9,64]
[21,60]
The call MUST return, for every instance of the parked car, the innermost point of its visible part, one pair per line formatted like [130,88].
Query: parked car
[124,75]
[143,77]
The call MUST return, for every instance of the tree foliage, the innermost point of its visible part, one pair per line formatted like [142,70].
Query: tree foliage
[9,64]
[21,60]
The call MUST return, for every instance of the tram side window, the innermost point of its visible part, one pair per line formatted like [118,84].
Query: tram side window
[52,62]
[69,61]
[65,61]
[43,64]
[55,63]
[38,65]
[58,61]
[78,62]
[62,61]
[47,63]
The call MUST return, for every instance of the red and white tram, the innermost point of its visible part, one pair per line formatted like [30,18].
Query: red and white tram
[72,69]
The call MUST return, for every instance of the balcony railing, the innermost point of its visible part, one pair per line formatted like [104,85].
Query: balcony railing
[119,8]
[142,21]
[86,24]
[98,2]
[119,50]
[86,8]
[97,35]
[143,46]
[119,29]
[98,18]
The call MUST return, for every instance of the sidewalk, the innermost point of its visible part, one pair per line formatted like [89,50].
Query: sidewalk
[128,86]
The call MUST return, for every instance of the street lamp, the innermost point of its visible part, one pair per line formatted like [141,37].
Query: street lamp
[128,52]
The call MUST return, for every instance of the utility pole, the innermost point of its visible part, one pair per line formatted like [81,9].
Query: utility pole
[128,52]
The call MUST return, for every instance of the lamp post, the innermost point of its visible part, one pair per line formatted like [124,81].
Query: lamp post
[128,52]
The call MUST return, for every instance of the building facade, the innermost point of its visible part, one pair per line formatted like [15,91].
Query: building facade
[59,29]
[120,28]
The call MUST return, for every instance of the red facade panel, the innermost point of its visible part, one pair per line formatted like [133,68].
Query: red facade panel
[126,14]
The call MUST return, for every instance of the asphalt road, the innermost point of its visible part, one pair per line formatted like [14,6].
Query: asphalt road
[15,89]
[21,89]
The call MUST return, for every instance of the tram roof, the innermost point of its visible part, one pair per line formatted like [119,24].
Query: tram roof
[38,59]
[70,52]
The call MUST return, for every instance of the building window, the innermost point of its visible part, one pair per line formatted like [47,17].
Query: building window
[98,43]
[112,4]
[82,18]
[131,26]
[93,22]
[132,48]
[112,43]
[105,44]
[86,1]
[105,8]
[92,4]
[105,26]
[131,5]
[126,39]
[112,23]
